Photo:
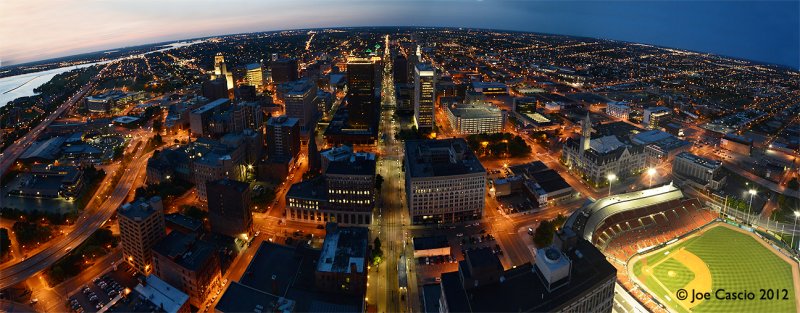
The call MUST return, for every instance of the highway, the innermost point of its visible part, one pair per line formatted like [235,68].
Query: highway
[15,150]
[88,223]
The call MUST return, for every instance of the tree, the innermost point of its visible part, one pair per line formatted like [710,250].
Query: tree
[195,212]
[377,252]
[543,235]
[378,182]
[5,242]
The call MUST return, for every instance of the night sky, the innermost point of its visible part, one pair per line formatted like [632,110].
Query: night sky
[757,30]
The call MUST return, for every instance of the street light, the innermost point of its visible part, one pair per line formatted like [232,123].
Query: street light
[796,215]
[650,172]
[750,207]
[611,178]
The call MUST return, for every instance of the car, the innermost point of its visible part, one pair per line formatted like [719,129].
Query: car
[257,233]
[320,226]
[34,301]
[438,279]
[460,235]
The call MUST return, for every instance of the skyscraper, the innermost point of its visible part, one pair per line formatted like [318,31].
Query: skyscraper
[362,104]
[229,207]
[424,96]
[221,70]
[400,69]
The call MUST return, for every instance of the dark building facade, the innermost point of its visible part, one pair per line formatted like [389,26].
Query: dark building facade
[362,103]
[229,207]
[214,89]
[284,70]
[283,137]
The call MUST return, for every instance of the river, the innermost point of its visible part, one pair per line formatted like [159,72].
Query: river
[14,87]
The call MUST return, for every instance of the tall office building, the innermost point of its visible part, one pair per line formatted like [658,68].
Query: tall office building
[362,102]
[400,69]
[141,226]
[221,70]
[229,207]
[254,75]
[424,96]
[300,103]
[445,181]
[284,70]
[283,137]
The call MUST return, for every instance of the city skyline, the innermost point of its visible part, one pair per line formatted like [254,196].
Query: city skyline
[338,167]
[762,31]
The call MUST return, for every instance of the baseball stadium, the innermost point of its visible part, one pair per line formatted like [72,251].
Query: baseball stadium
[674,255]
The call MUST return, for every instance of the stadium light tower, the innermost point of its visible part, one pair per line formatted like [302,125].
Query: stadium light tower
[611,177]
[796,215]
[650,172]
[750,207]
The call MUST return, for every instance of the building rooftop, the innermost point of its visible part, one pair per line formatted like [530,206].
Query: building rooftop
[48,149]
[475,111]
[550,180]
[237,185]
[242,298]
[650,136]
[704,162]
[313,189]
[253,66]
[125,119]
[443,157]
[357,164]
[187,250]
[210,106]
[344,250]
[140,209]
[283,121]
[289,272]
[432,242]
[184,221]
[522,289]
[605,144]
[162,295]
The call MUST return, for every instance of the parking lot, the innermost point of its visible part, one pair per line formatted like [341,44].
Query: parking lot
[93,296]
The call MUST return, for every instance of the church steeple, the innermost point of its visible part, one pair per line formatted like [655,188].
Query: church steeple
[586,133]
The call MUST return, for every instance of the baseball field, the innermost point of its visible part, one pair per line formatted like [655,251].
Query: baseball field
[721,269]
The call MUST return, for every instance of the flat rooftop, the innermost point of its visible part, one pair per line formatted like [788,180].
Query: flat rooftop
[289,272]
[442,157]
[344,250]
[474,111]
[523,290]
[210,106]
[187,250]
[139,209]
[162,294]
